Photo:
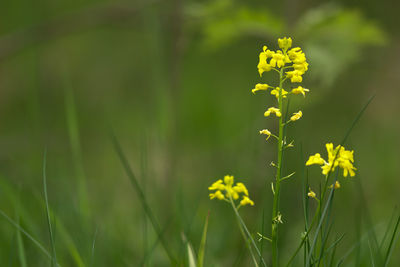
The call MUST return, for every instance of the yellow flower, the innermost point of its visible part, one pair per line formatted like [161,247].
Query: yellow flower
[296,116]
[245,201]
[278,59]
[262,64]
[348,168]
[337,185]
[285,43]
[226,190]
[218,185]
[337,156]
[241,188]
[311,193]
[217,195]
[295,76]
[266,132]
[228,180]
[296,55]
[260,87]
[300,90]
[316,159]
[275,92]
[273,110]
[301,67]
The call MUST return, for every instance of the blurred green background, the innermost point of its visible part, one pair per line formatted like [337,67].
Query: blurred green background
[173,80]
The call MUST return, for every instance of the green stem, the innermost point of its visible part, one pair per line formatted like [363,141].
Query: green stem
[246,240]
[275,209]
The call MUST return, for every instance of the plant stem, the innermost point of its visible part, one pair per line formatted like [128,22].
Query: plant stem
[275,209]
[246,240]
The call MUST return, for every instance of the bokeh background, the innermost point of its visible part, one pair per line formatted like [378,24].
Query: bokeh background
[172,80]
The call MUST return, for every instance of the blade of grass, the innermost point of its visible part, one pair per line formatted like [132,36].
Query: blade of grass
[330,197]
[249,237]
[304,181]
[20,241]
[359,115]
[11,254]
[358,229]
[76,148]
[93,247]
[332,259]
[392,218]
[371,253]
[335,243]
[372,236]
[392,241]
[262,233]
[144,176]
[202,248]
[355,245]
[190,252]
[142,197]
[324,242]
[65,237]
[239,256]
[34,241]
[53,248]
[21,249]
[153,247]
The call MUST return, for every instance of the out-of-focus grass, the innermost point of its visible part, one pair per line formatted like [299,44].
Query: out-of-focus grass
[121,72]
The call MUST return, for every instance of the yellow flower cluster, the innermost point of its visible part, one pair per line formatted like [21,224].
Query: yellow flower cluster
[280,58]
[226,190]
[336,157]
[291,59]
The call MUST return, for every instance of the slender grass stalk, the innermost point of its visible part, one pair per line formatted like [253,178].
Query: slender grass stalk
[74,139]
[34,241]
[21,249]
[152,247]
[93,248]
[392,241]
[242,231]
[52,243]
[142,199]
[277,187]
[20,241]
[392,218]
[202,248]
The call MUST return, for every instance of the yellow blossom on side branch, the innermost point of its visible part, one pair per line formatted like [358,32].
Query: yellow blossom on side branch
[300,90]
[263,66]
[296,116]
[266,132]
[272,110]
[260,87]
[245,201]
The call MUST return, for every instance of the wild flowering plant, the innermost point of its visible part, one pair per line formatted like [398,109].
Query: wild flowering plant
[290,64]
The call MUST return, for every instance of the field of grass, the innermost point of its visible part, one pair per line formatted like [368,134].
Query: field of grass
[116,117]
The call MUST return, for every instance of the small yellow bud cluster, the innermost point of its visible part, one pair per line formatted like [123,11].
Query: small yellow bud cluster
[226,190]
[273,110]
[336,157]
